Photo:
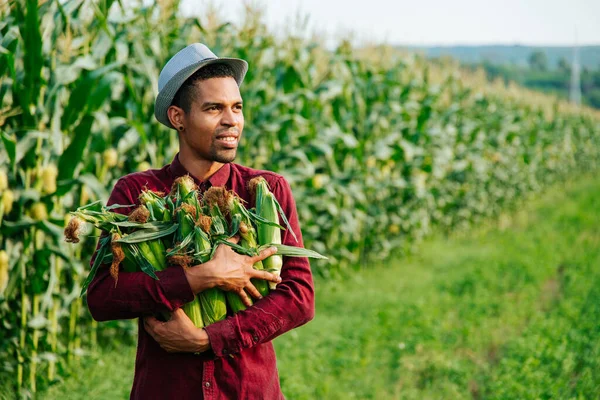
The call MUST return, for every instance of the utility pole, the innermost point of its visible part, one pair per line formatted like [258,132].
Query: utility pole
[575,92]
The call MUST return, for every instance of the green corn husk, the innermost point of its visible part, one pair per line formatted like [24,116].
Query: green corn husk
[212,301]
[129,264]
[158,251]
[156,205]
[193,311]
[186,200]
[248,240]
[266,208]
[212,305]
[186,224]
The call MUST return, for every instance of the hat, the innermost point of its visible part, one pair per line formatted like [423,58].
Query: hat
[182,66]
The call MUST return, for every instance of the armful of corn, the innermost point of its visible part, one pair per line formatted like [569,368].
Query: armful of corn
[184,228]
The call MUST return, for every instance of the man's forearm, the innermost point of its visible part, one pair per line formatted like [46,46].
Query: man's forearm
[137,294]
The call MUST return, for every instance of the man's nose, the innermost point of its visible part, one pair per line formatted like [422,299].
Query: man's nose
[231,117]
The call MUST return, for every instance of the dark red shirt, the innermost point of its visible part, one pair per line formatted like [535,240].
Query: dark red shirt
[241,364]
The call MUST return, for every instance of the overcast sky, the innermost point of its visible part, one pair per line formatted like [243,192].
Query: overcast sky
[433,22]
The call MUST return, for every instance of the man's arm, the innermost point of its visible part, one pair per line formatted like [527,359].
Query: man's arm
[287,307]
[136,294]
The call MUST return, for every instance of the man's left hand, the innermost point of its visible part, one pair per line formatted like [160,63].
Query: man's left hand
[177,335]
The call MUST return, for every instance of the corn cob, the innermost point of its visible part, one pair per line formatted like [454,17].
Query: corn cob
[248,240]
[266,208]
[3,271]
[209,304]
[213,304]
[156,205]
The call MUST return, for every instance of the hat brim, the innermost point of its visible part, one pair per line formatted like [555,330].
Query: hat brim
[165,96]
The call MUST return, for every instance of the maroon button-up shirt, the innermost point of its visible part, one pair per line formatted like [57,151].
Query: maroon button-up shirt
[241,364]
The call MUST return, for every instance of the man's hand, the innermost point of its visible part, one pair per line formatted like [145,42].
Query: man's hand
[231,271]
[177,335]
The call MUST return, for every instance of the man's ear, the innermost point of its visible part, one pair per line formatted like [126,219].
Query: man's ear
[176,116]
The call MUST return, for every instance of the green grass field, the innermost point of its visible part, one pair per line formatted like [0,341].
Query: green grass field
[503,312]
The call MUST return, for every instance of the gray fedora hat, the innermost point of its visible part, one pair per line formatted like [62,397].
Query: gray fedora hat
[182,66]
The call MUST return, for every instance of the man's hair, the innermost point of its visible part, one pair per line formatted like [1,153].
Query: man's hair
[187,92]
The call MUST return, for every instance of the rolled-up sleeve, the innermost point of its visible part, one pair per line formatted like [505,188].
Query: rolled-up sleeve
[290,305]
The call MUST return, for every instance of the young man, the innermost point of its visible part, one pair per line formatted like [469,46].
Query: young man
[232,359]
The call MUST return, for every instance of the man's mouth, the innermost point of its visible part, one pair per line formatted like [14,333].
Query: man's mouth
[228,140]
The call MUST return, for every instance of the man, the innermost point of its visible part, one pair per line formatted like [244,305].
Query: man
[232,359]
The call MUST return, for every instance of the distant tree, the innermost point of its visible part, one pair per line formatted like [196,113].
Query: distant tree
[538,60]
[564,65]
[593,98]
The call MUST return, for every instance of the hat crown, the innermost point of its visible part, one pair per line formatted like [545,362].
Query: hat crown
[192,54]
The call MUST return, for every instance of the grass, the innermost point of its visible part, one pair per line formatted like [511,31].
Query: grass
[495,313]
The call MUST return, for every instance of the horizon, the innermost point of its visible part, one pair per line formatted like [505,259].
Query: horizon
[501,45]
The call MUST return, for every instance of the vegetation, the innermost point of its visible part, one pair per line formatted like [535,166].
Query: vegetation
[553,81]
[504,312]
[545,69]
[378,153]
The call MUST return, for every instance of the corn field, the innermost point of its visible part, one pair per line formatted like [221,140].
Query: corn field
[379,150]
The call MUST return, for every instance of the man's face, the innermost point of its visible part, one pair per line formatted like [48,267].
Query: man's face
[214,125]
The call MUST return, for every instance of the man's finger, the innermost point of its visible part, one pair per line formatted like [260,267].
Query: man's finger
[150,324]
[253,291]
[245,299]
[177,314]
[267,276]
[234,239]
[151,321]
[268,252]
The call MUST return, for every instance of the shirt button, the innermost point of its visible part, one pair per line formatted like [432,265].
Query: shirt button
[225,351]
[255,338]
[207,384]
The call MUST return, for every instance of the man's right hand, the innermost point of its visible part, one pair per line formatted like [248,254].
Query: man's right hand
[232,272]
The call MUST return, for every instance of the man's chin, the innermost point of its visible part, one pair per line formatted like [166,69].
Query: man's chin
[225,157]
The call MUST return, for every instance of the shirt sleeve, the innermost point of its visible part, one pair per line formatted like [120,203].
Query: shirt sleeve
[290,305]
[136,294]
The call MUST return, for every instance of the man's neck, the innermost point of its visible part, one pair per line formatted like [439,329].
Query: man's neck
[199,168]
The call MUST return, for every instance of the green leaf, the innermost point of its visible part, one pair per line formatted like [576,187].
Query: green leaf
[155,225]
[291,251]
[180,247]
[52,229]
[146,235]
[33,59]
[258,219]
[235,224]
[10,228]
[108,258]
[94,206]
[73,154]
[142,262]
[236,247]
[97,187]
[104,248]
[26,144]
[10,144]
[115,206]
[284,218]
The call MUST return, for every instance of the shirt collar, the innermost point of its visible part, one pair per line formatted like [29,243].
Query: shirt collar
[219,178]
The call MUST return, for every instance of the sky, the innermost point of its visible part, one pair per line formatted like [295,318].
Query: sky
[429,22]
